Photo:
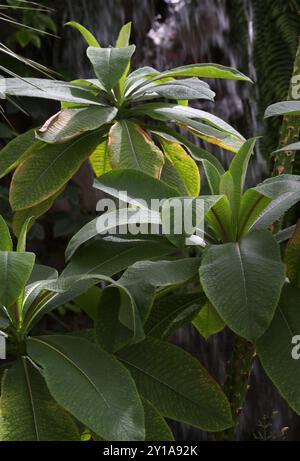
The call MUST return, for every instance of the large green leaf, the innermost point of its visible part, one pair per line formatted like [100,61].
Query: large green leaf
[138,185]
[91,384]
[110,63]
[195,70]
[284,192]
[13,153]
[283,108]
[50,89]
[243,281]
[107,223]
[177,384]
[48,168]
[141,281]
[71,122]
[5,237]
[191,88]
[15,269]
[28,412]
[109,258]
[275,347]
[131,147]
[203,124]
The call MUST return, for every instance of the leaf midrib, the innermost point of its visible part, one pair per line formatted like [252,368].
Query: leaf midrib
[76,367]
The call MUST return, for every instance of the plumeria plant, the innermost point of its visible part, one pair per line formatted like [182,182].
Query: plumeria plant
[121,378]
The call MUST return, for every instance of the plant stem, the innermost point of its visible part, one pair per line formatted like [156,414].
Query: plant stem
[236,384]
[290,128]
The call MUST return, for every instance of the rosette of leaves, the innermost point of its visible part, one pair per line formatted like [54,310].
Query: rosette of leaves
[106,120]
[243,278]
[115,381]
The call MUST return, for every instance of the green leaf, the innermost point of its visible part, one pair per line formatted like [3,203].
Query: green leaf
[137,184]
[208,322]
[20,217]
[141,280]
[292,256]
[15,151]
[6,243]
[252,205]
[131,147]
[283,108]
[156,427]
[185,89]
[89,301]
[238,168]
[91,384]
[219,218]
[293,146]
[144,277]
[167,314]
[112,332]
[71,122]
[87,35]
[110,63]
[181,389]
[99,158]
[275,347]
[15,269]
[123,41]
[243,281]
[203,124]
[109,258]
[28,412]
[198,70]
[124,36]
[51,89]
[21,246]
[184,165]
[212,175]
[48,168]
[283,192]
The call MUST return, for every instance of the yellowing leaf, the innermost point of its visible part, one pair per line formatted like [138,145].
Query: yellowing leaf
[99,159]
[184,165]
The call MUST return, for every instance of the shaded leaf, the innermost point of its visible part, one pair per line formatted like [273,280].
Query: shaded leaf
[91,384]
[207,321]
[48,168]
[181,389]
[243,281]
[275,347]
[28,412]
